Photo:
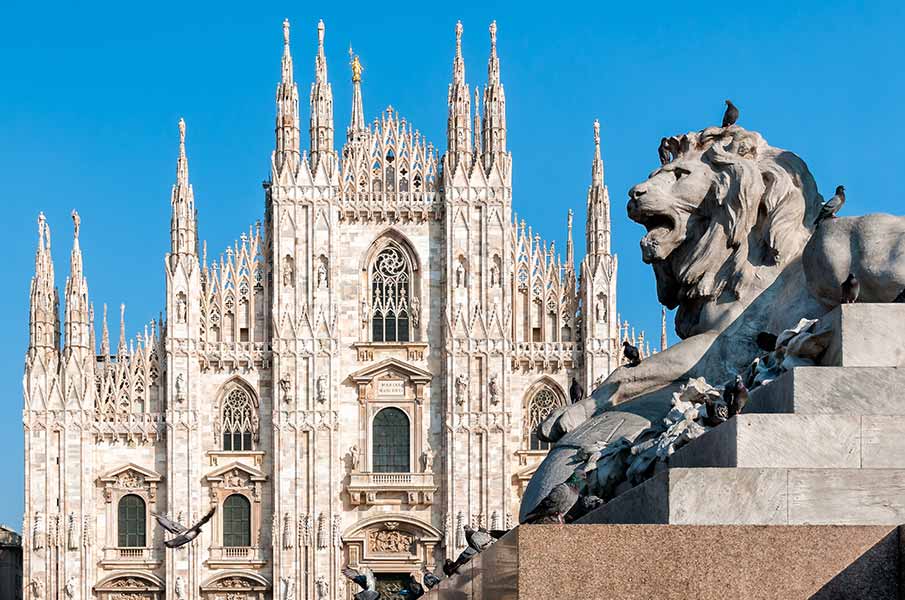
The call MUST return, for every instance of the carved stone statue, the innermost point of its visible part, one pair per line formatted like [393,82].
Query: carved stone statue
[427,460]
[460,276]
[287,271]
[321,388]
[288,588]
[72,533]
[355,458]
[180,388]
[321,587]
[493,389]
[70,587]
[365,311]
[322,276]
[37,532]
[461,388]
[494,276]
[179,588]
[37,589]
[753,208]
[416,311]
[285,387]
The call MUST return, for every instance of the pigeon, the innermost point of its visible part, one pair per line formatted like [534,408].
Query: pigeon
[731,114]
[735,395]
[559,501]
[365,579]
[766,341]
[430,580]
[576,393]
[184,535]
[631,353]
[717,412]
[851,287]
[663,151]
[412,588]
[586,504]
[450,568]
[831,206]
[900,299]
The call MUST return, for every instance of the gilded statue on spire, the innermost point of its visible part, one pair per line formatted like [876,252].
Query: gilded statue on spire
[356,66]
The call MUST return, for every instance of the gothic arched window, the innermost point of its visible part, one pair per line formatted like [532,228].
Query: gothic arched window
[239,421]
[391,435]
[391,288]
[131,521]
[541,406]
[236,521]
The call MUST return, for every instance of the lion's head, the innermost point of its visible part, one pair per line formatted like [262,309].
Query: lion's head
[727,207]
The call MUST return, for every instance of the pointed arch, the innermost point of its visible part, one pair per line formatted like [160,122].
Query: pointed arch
[237,425]
[541,398]
[390,289]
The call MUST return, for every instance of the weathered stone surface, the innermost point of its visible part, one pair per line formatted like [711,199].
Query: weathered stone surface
[702,497]
[833,390]
[866,335]
[777,441]
[846,497]
[882,442]
[637,562]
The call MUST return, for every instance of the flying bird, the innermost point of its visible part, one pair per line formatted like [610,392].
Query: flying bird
[900,299]
[365,579]
[559,501]
[576,393]
[766,341]
[832,206]
[851,287]
[631,353]
[412,589]
[735,395]
[184,535]
[731,114]
[663,151]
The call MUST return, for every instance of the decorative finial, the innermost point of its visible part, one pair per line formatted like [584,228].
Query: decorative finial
[286,32]
[357,69]
[320,36]
[596,132]
[76,221]
[181,131]
[493,37]
[458,38]
[42,225]
[570,219]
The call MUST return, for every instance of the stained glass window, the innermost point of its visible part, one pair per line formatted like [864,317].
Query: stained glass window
[131,522]
[238,421]
[391,279]
[236,521]
[541,406]
[391,442]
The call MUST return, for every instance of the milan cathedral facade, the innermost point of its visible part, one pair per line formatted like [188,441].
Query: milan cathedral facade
[351,382]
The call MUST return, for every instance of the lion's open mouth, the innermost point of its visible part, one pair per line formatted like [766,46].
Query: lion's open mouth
[658,242]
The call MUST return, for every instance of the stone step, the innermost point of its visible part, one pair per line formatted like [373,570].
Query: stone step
[866,335]
[790,441]
[833,390]
[759,496]
[635,562]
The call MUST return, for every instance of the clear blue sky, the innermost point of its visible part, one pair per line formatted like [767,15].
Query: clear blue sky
[90,94]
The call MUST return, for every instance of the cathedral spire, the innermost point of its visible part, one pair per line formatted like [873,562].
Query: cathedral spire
[76,308]
[663,340]
[44,322]
[494,126]
[458,128]
[121,348]
[598,225]
[183,232]
[287,149]
[570,249]
[321,128]
[105,336]
[477,125]
[357,122]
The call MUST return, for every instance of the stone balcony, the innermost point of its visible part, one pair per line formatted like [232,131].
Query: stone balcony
[125,558]
[234,557]
[391,488]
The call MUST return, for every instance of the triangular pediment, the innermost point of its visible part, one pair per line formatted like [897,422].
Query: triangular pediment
[146,474]
[394,366]
[250,472]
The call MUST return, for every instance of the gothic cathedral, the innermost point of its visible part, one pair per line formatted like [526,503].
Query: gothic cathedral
[354,380]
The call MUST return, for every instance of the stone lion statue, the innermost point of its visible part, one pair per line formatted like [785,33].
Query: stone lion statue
[733,245]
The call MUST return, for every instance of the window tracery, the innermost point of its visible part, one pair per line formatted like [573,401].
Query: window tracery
[239,421]
[541,406]
[391,289]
